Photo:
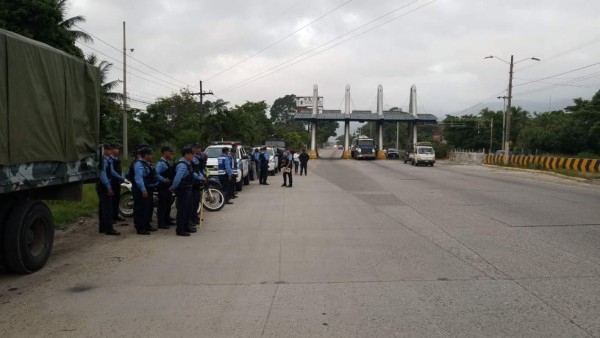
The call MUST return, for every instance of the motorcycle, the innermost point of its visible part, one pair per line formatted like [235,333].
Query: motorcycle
[213,197]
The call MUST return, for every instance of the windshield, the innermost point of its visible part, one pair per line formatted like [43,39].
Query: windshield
[363,143]
[214,152]
[270,152]
[425,150]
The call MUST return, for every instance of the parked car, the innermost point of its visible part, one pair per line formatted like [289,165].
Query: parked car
[273,159]
[393,153]
[212,164]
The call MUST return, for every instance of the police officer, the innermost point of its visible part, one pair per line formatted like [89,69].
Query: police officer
[117,175]
[182,186]
[165,172]
[105,194]
[225,173]
[256,162]
[234,167]
[145,181]
[196,193]
[288,160]
[264,165]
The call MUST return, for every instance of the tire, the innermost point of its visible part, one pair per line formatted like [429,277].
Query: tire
[126,204]
[28,237]
[216,202]
[432,164]
[239,185]
[247,180]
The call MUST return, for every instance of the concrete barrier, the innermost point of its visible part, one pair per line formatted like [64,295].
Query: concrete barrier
[466,157]
[584,165]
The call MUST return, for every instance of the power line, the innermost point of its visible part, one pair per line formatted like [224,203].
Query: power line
[556,75]
[137,69]
[278,41]
[565,52]
[274,69]
[131,57]
[462,112]
[567,83]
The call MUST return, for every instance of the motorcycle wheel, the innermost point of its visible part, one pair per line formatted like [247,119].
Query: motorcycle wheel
[126,204]
[214,200]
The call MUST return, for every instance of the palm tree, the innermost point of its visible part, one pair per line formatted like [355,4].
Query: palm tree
[107,87]
[68,24]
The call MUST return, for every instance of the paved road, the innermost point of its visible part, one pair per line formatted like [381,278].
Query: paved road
[356,249]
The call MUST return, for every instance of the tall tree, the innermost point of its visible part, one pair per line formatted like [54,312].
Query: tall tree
[110,110]
[45,21]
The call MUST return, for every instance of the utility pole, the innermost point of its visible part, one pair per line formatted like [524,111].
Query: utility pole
[125,145]
[503,119]
[509,110]
[202,94]
[491,134]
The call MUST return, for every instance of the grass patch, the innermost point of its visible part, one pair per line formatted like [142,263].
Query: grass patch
[68,212]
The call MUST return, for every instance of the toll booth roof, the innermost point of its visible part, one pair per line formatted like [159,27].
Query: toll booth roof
[366,116]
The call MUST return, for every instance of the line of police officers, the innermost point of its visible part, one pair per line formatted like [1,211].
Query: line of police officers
[184,179]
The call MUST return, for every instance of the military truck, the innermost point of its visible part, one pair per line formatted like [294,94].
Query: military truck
[49,126]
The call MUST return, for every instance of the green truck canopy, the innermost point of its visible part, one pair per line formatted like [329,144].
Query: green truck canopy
[49,103]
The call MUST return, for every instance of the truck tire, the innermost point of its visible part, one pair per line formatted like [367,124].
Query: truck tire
[5,209]
[247,180]
[239,185]
[28,237]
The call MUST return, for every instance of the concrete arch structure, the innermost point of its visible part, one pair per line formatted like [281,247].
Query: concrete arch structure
[412,119]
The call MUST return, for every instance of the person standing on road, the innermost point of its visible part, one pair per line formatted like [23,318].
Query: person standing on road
[288,160]
[264,166]
[303,162]
[182,186]
[256,160]
[296,161]
[144,183]
[196,166]
[225,173]
[164,172]
[105,194]
[234,168]
[117,175]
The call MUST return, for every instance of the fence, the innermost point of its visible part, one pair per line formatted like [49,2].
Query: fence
[461,156]
[549,163]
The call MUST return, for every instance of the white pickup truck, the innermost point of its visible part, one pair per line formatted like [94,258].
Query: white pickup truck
[421,153]
[212,163]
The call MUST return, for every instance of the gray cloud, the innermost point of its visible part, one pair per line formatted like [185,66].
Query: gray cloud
[440,48]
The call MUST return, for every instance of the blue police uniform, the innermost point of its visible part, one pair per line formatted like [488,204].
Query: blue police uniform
[117,175]
[105,204]
[236,172]
[196,194]
[144,181]
[182,185]
[225,172]
[264,167]
[164,173]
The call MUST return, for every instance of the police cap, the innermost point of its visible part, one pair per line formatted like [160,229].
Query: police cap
[196,145]
[145,151]
[165,149]
[225,150]
[186,150]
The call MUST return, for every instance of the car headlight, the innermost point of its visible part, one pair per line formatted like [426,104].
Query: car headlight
[358,150]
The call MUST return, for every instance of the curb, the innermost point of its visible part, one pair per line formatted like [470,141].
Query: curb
[549,173]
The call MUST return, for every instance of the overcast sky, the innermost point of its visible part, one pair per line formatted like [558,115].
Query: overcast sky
[439,47]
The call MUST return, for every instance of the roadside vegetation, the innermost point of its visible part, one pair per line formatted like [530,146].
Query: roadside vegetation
[67,212]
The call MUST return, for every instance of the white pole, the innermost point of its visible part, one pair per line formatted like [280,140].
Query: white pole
[125,145]
[313,136]
[347,112]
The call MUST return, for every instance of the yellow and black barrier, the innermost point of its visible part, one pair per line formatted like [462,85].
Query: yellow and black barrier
[584,165]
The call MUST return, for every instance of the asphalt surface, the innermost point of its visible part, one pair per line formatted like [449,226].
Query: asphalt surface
[355,249]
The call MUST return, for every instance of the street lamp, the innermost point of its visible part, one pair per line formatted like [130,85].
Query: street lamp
[512,64]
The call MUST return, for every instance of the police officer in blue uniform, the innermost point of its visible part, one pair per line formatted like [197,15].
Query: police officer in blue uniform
[118,178]
[236,172]
[165,172]
[105,194]
[225,173]
[182,186]
[264,165]
[145,181]
[196,193]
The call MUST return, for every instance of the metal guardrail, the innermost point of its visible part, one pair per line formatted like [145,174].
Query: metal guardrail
[584,165]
